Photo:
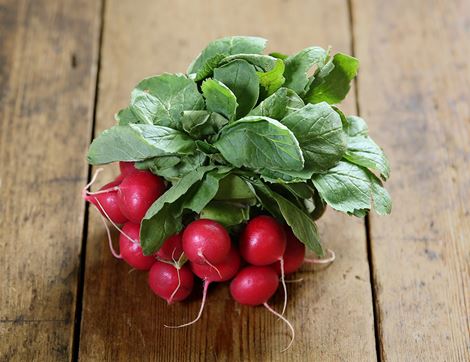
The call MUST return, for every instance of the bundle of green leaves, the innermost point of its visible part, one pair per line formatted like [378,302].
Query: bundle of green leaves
[242,132]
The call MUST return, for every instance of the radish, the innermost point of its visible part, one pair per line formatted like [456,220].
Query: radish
[206,242]
[106,201]
[170,282]
[225,271]
[255,285]
[131,251]
[127,168]
[293,256]
[137,192]
[119,178]
[263,242]
[171,249]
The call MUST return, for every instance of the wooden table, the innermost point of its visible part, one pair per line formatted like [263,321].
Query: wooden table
[400,287]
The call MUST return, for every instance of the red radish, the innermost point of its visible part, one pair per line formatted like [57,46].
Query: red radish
[127,168]
[293,256]
[119,178]
[228,268]
[131,250]
[171,249]
[263,242]
[137,192]
[255,285]
[206,242]
[106,201]
[221,273]
[169,282]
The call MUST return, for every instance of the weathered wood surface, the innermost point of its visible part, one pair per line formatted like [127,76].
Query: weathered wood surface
[48,58]
[414,89]
[331,310]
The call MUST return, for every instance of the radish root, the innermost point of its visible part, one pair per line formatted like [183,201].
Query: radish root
[85,191]
[283,281]
[112,222]
[203,303]
[328,260]
[170,300]
[295,280]
[289,324]
[110,239]
[209,263]
[92,181]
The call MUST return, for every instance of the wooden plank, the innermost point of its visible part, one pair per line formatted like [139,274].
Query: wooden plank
[48,58]
[122,320]
[414,90]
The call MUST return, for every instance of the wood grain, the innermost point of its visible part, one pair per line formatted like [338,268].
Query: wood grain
[414,89]
[48,58]
[122,320]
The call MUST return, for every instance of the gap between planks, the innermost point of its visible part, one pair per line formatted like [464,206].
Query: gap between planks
[82,261]
[375,304]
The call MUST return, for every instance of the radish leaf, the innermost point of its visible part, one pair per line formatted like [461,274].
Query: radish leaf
[241,78]
[260,143]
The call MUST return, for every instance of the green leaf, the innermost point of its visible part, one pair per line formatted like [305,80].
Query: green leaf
[219,98]
[380,197]
[261,62]
[206,147]
[269,69]
[342,116]
[158,164]
[284,176]
[208,68]
[155,231]
[283,102]
[302,225]
[318,129]
[299,189]
[345,187]
[333,82]
[207,189]
[233,187]
[125,117]
[177,190]
[355,126]
[162,99]
[319,206]
[241,78]
[273,79]
[263,194]
[359,213]
[163,218]
[137,142]
[187,164]
[201,124]
[299,64]
[226,213]
[192,120]
[279,55]
[350,188]
[363,151]
[260,143]
[228,46]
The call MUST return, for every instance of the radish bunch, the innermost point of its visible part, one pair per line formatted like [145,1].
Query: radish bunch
[225,169]
[255,258]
